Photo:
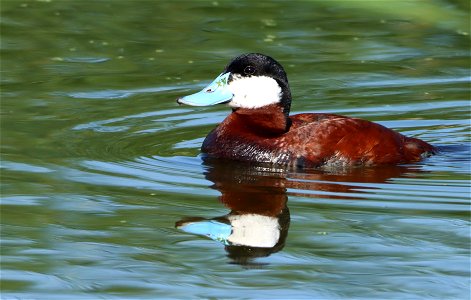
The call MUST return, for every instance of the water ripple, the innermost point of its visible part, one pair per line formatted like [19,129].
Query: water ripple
[126,93]
[117,94]
[101,125]
[405,82]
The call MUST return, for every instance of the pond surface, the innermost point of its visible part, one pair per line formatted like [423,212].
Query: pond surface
[105,193]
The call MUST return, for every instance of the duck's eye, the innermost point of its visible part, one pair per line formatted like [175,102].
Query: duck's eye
[249,70]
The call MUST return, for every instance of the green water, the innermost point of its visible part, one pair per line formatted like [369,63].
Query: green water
[101,167]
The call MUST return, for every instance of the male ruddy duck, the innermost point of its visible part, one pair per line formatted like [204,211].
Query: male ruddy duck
[259,129]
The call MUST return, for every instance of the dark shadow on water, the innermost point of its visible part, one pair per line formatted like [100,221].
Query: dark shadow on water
[459,152]
[258,222]
[458,148]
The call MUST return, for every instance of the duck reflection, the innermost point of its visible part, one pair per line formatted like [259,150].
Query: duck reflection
[258,222]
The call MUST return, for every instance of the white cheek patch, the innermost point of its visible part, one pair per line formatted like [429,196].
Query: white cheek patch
[254,91]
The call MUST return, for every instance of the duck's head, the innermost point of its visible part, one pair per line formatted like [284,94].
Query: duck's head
[249,81]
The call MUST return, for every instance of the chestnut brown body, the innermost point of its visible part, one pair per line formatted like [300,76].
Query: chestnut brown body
[309,140]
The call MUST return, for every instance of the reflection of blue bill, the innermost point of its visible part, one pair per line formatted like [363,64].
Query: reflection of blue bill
[213,229]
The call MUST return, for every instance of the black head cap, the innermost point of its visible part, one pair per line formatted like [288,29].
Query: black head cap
[256,64]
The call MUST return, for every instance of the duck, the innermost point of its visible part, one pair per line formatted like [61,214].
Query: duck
[260,128]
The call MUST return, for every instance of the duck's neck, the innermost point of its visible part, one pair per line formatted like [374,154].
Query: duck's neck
[266,121]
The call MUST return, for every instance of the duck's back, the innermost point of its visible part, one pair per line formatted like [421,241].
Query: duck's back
[328,139]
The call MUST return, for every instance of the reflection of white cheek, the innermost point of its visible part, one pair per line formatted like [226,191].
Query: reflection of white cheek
[254,92]
[254,230]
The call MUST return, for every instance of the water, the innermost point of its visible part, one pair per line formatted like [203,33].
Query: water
[105,194]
